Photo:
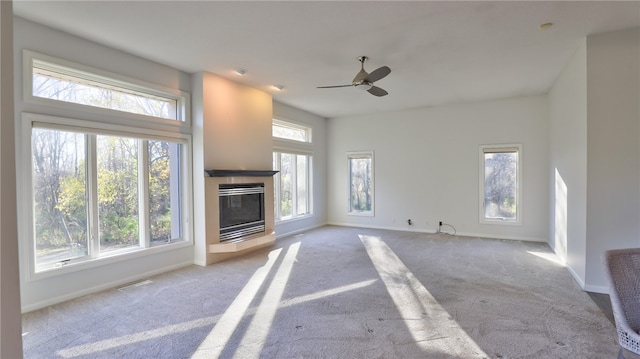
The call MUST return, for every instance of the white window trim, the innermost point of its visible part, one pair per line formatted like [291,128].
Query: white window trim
[361,154]
[283,145]
[278,218]
[519,184]
[182,123]
[293,124]
[26,191]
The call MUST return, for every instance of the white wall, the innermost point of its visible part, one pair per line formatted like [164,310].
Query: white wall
[10,319]
[237,125]
[35,37]
[319,180]
[568,164]
[427,165]
[231,131]
[613,148]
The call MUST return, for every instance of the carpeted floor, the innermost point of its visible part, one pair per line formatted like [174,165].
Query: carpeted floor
[339,292]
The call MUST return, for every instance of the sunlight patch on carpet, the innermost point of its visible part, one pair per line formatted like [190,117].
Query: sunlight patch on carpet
[217,339]
[226,323]
[326,293]
[548,256]
[95,347]
[430,325]
[255,336]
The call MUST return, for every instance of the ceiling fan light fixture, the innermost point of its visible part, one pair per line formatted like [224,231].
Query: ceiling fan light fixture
[364,86]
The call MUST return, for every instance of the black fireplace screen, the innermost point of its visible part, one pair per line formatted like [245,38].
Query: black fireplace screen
[241,210]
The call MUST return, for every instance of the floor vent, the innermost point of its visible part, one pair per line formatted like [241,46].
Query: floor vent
[135,285]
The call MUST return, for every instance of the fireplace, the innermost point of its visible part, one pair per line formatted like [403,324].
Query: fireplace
[238,214]
[242,211]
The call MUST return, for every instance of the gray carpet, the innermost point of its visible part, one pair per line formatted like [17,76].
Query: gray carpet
[340,293]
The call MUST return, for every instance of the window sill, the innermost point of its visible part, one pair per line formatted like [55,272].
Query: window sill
[105,260]
[293,219]
[361,214]
[500,222]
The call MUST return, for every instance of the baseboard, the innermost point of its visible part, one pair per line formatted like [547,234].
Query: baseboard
[497,236]
[429,231]
[596,289]
[576,277]
[298,231]
[104,286]
[389,228]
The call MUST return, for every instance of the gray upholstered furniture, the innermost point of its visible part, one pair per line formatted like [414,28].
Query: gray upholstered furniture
[623,268]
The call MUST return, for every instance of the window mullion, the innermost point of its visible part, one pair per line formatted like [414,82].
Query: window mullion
[92,193]
[277,183]
[294,185]
[143,194]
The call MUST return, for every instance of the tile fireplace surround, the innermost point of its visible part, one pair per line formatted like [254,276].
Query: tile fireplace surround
[215,249]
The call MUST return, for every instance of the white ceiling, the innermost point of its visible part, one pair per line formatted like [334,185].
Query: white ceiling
[439,52]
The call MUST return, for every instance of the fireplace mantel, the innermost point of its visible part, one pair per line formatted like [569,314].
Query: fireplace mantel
[240,173]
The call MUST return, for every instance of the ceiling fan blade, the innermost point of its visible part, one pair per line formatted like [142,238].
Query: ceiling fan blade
[377,91]
[330,87]
[378,74]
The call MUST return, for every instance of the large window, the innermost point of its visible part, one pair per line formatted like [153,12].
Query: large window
[101,189]
[500,184]
[63,83]
[292,184]
[96,195]
[360,170]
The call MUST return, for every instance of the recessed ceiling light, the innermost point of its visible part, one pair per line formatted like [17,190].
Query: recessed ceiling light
[240,71]
[278,87]
[545,26]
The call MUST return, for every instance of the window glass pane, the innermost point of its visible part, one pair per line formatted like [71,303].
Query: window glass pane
[60,197]
[117,160]
[286,184]
[301,185]
[291,185]
[61,86]
[500,185]
[164,191]
[361,191]
[290,132]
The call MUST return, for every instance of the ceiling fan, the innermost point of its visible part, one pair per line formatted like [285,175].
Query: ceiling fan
[364,80]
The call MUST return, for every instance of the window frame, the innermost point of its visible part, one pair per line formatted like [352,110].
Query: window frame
[183,117]
[361,155]
[297,126]
[298,148]
[86,119]
[277,187]
[501,148]
[31,121]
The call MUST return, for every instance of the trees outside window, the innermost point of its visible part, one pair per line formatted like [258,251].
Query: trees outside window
[108,185]
[59,195]
[292,158]
[64,186]
[360,170]
[500,183]
[291,185]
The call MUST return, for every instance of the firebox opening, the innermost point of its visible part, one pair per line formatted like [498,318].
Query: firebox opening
[241,210]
